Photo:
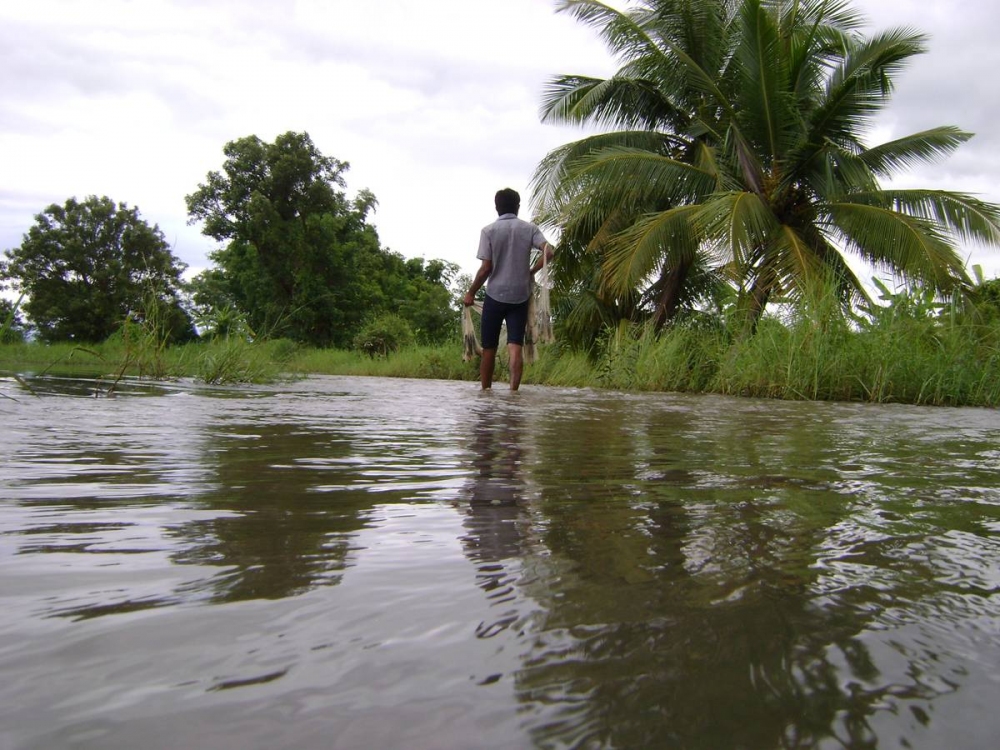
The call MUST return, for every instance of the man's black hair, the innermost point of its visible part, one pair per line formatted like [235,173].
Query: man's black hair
[507,201]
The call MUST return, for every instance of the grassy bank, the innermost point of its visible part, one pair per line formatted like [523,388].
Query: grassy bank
[919,361]
[906,362]
[229,361]
[223,361]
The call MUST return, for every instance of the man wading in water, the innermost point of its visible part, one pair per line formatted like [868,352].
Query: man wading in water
[505,251]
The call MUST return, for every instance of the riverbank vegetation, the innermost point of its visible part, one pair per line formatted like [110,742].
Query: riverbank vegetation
[908,349]
[297,259]
[732,163]
[711,227]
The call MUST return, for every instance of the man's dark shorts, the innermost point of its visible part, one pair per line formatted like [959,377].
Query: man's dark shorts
[495,313]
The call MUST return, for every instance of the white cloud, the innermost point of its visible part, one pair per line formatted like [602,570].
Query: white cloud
[434,104]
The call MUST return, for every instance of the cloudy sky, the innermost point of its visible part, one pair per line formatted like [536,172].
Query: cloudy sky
[433,102]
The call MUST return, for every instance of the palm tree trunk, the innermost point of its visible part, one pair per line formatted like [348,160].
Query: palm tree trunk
[668,301]
[760,293]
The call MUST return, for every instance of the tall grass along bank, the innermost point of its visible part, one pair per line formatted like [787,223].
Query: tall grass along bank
[917,361]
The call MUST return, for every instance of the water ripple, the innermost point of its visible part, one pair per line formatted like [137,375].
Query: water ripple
[397,564]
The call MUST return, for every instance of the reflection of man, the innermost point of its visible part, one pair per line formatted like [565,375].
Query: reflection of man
[505,251]
[494,536]
[497,490]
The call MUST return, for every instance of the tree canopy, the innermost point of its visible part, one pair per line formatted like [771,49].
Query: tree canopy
[733,152]
[85,266]
[300,259]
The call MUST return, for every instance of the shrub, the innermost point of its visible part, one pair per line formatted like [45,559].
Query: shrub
[383,335]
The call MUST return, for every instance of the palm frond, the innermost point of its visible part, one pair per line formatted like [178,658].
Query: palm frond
[966,216]
[762,104]
[556,176]
[619,102]
[623,35]
[832,172]
[899,243]
[629,40]
[859,87]
[895,156]
[642,175]
[633,255]
[736,224]
[839,15]
[796,262]
[836,272]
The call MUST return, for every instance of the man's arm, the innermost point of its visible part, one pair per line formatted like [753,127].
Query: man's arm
[547,252]
[485,269]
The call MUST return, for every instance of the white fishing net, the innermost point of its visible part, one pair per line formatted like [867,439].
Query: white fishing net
[538,331]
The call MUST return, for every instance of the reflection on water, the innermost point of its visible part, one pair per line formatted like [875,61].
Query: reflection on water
[497,507]
[376,563]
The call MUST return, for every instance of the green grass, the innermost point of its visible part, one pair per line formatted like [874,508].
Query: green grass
[906,360]
[222,361]
[440,362]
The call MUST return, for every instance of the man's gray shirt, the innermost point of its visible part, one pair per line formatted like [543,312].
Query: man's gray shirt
[508,242]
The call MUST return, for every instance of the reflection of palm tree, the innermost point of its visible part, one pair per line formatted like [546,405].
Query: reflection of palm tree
[496,511]
[685,612]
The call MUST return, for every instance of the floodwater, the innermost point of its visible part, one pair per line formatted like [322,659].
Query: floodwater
[378,564]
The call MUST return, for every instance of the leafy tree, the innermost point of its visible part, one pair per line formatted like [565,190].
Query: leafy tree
[85,267]
[300,259]
[419,292]
[734,150]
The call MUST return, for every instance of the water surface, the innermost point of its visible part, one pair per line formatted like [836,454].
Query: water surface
[369,563]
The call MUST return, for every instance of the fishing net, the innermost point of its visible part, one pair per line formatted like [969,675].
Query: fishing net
[538,331]
[472,347]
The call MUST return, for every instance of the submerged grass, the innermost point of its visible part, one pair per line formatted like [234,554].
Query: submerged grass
[918,361]
[219,362]
[439,362]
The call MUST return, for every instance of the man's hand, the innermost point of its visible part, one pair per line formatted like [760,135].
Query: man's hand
[485,269]
[548,252]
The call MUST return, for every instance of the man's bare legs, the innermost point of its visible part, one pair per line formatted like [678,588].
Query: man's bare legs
[516,365]
[488,362]
[486,368]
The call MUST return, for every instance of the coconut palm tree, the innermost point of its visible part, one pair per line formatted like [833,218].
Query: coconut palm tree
[734,145]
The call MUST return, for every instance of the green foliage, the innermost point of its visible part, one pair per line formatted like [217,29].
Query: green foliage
[558,365]
[383,335]
[144,337]
[734,154]
[86,266]
[936,360]
[12,328]
[914,302]
[234,360]
[300,260]
[297,252]
[986,300]
[215,312]
[441,362]
[424,298]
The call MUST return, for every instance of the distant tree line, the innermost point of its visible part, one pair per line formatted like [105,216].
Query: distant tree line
[726,174]
[297,259]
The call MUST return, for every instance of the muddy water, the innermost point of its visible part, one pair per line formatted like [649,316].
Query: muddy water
[367,563]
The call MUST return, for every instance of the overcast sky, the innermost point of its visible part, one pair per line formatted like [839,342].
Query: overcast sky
[433,102]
